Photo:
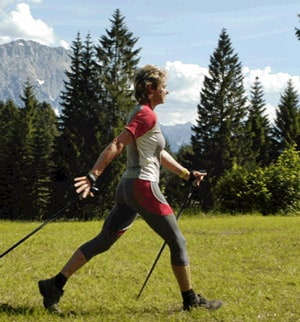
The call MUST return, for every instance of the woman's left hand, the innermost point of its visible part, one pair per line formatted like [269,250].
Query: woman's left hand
[197,176]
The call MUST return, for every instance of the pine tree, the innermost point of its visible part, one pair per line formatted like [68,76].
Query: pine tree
[43,144]
[76,110]
[298,30]
[27,141]
[287,122]
[80,125]
[36,166]
[117,61]
[11,125]
[219,136]
[259,127]
[96,101]
[66,151]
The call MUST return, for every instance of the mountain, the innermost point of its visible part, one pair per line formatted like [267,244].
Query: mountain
[177,135]
[44,67]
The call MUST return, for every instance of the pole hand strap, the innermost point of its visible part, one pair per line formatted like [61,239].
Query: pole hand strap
[93,180]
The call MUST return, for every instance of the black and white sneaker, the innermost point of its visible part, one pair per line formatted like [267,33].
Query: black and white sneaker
[200,301]
[51,294]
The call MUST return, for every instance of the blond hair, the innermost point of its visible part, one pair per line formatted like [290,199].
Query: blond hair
[147,75]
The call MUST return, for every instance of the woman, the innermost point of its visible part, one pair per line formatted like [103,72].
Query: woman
[138,192]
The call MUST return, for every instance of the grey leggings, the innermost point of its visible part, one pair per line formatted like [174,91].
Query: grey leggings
[130,200]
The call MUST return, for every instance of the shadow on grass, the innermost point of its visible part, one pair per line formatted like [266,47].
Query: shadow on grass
[9,310]
[141,313]
[20,310]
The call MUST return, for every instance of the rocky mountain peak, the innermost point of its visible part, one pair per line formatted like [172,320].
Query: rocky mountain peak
[44,67]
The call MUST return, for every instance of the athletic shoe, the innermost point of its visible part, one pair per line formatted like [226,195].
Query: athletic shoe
[200,301]
[51,294]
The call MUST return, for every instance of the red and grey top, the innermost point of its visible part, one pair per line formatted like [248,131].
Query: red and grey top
[143,155]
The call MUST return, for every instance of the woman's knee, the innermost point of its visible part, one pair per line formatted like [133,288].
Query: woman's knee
[98,245]
[178,251]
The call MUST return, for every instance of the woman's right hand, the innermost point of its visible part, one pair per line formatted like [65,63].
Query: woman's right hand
[83,187]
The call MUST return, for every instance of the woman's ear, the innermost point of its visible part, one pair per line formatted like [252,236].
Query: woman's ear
[149,89]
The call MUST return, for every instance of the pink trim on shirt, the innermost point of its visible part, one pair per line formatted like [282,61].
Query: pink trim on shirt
[142,122]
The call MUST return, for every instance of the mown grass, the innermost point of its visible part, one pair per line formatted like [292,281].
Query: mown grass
[250,262]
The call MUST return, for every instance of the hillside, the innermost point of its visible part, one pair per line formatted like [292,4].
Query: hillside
[177,135]
[44,67]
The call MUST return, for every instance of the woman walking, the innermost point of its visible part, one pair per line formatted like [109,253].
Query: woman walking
[138,192]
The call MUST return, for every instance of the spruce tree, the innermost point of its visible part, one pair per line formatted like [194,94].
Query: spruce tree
[78,144]
[67,151]
[40,131]
[219,138]
[27,141]
[96,101]
[11,126]
[287,122]
[298,30]
[43,144]
[259,127]
[78,110]
[117,60]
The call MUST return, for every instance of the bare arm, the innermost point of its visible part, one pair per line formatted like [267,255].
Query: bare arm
[111,152]
[171,164]
[82,184]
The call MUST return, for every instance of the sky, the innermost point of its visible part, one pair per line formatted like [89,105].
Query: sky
[177,35]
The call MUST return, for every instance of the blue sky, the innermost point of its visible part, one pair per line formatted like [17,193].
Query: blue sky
[177,35]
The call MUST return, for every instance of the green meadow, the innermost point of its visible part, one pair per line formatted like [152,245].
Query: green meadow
[251,262]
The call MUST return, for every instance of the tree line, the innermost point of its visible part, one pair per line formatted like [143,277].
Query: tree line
[253,165]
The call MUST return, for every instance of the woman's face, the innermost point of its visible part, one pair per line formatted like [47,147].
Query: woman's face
[159,94]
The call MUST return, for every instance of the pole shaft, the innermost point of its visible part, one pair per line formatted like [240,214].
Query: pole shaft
[51,218]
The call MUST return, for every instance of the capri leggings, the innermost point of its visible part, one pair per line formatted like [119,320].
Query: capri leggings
[135,196]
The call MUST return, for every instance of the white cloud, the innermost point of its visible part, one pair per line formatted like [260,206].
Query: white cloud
[19,23]
[273,85]
[185,82]
[64,44]
[56,111]
[184,85]
[271,82]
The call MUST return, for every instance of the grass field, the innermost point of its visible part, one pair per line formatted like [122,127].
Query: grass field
[250,262]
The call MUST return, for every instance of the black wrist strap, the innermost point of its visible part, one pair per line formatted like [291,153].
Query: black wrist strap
[92,178]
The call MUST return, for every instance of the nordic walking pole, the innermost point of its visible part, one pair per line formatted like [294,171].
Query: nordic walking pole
[184,205]
[51,218]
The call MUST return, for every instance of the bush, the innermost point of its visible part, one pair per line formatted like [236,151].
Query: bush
[283,181]
[273,190]
[241,191]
